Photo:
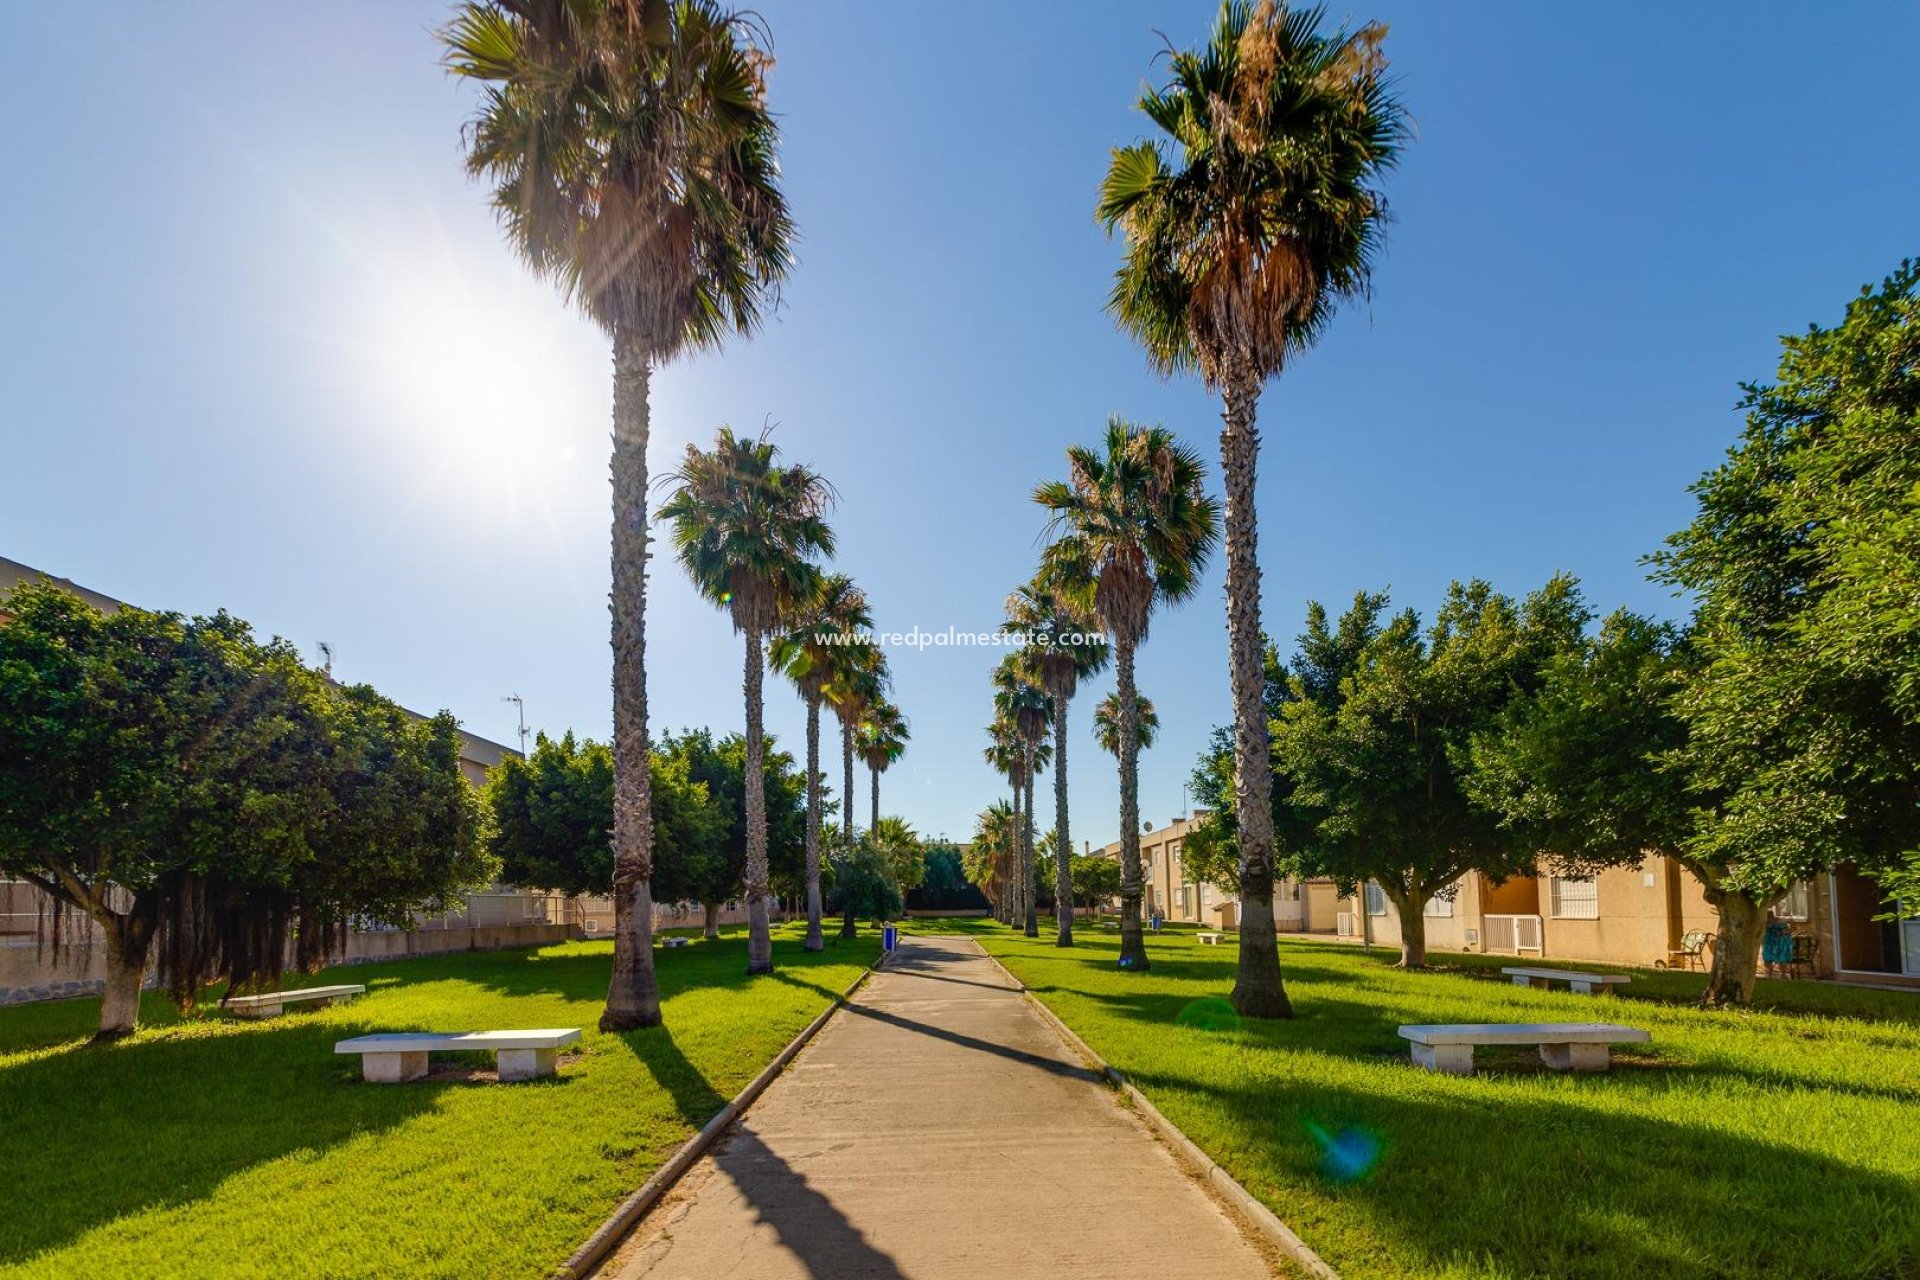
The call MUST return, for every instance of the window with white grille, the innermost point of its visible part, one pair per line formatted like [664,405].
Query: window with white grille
[1376,900]
[1795,905]
[1574,897]
[1440,906]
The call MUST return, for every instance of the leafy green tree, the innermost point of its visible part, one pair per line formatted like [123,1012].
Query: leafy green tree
[746,530]
[204,798]
[881,740]
[714,872]
[1382,765]
[943,882]
[1134,530]
[633,163]
[1246,226]
[806,653]
[1095,880]
[1803,712]
[1063,649]
[551,815]
[863,884]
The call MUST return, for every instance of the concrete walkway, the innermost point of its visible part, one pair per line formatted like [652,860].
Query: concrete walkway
[937,1128]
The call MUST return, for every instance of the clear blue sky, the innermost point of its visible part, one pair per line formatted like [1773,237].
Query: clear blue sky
[262,348]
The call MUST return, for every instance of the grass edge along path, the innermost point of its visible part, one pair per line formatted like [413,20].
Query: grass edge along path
[1776,1142]
[208,1146]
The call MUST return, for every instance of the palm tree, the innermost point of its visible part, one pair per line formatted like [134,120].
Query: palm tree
[746,530]
[805,654]
[858,681]
[1238,252]
[986,856]
[881,740]
[1135,530]
[634,165]
[1106,722]
[1007,753]
[1019,699]
[1063,647]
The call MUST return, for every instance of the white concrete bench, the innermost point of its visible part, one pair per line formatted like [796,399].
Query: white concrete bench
[520,1055]
[1584,983]
[1564,1046]
[1211,939]
[675,940]
[271,1004]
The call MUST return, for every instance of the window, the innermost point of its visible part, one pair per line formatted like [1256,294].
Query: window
[1440,905]
[1180,899]
[1376,900]
[1574,897]
[1795,905]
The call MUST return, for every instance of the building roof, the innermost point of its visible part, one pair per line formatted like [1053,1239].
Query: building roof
[481,751]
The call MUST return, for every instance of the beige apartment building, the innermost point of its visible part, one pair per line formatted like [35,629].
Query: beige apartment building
[1641,916]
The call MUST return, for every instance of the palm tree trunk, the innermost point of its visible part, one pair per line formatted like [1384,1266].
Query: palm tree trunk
[1257,988]
[816,941]
[759,940]
[846,793]
[1028,881]
[874,825]
[1133,944]
[1062,846]
[633,995]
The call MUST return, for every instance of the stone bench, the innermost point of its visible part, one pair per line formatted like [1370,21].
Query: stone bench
[270,1004]
[520,1055]
[1211,939]
[674,940]
[1584,983]
[1564,1046]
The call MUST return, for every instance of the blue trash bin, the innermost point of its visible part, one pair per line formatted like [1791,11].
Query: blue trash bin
[889,937]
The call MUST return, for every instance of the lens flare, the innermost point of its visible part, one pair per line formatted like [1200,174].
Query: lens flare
[1346,1155]
[1210,1013]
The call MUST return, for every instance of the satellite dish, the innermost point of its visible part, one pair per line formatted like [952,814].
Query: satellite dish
[1147,825]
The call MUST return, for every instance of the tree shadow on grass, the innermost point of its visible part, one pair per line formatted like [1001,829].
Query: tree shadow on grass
[93,1134]
[1489,1175]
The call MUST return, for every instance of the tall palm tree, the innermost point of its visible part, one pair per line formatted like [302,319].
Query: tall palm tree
[986,856]
[1019,699]
[1063,647]
[1007,753]
[881,740]
[859,681]
[633,163]
[1135,530]
[805,654]
[1106,723]
[1245,228]
[746,529]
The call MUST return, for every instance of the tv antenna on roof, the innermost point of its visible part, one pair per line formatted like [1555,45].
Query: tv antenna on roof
[326,656]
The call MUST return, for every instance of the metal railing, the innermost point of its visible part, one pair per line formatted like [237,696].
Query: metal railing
[1511,934]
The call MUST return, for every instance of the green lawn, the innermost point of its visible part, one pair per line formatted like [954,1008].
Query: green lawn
[210,1147]
[1780,1142]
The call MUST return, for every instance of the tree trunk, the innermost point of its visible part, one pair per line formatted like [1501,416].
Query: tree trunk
[1736,949]
[711,922]
[759,940]
[1062,846]
[1257,988]
[849,927]
[1412,906]
[633,995]
[128,942]
[874,825]
[1133,943]
[1029,875]
[846,794]
[816,941]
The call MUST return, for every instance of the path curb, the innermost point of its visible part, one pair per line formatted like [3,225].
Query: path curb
[628,1212]
[1264,1220]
